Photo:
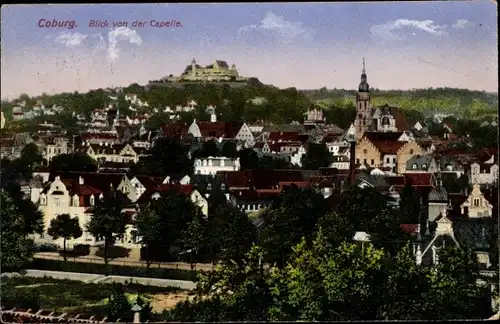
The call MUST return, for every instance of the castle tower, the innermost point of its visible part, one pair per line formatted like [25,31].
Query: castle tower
[362,121]
[193,66]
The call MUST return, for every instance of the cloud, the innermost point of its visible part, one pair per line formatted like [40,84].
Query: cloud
[70,39]
[462,23]
[280,27]
[121,34]
[98,41]
[386,31]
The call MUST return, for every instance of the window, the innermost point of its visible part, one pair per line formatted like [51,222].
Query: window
[57,202]
[411,151]
[393,160]
[364,161]
[388,160]
[424,166]
[373,162]
[357,161]
[414,166]
[365,151]
[476,202]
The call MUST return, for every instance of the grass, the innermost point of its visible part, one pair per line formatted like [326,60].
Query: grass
[68,296]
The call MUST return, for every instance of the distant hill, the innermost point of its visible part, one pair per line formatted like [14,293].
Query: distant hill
[238,102]
[460,102]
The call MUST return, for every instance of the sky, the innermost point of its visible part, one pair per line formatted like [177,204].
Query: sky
[406,45]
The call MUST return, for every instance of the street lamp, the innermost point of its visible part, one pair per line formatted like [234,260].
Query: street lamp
[137,315]
[362,237]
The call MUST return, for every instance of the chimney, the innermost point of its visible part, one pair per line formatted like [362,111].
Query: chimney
[80,180]
[352,162]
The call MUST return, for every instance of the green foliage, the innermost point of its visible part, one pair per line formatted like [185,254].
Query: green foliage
[118,305]
[249,159]
[168,156]
[409,205]
[18,220]
[317,156]
[107,221]
[229,149]
[73,162]
[460,102]
[147,222]
[292,216]
[66,227]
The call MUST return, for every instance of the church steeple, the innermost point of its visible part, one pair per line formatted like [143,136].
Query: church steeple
[364,86]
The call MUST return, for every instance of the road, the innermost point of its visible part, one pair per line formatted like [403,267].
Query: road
[93,278]
[126,262]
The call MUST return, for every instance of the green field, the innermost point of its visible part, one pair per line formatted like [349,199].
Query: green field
[69,296]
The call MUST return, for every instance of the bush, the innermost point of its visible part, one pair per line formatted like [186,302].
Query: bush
[46,247]
[117,270]
[114,252]
[81,250]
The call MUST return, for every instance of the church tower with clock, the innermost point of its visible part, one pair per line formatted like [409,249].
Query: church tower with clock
[363,119]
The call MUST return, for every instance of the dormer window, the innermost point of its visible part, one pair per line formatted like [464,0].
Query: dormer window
[92,200]
[424,166]
[414,166]
[209,186]
[43,200]
[101,196]
[76,201]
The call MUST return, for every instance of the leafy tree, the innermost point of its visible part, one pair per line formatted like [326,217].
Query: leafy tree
[210,148]
[409,205]
[317,156]
[66,227]
[148,229]
[291,217]
[16,249]
[229,149]
[193,238]
[29,159]
[230,233]
[146,312]
[168,156]
[118,304]
[336,228]
[269,162]
[107,221]
[32,216]
[175,211]
[248,159]
[73,162]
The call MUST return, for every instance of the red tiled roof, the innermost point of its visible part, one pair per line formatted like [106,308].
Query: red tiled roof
[146,196]
[419,179]
[101,181]
[219,129]
[260,179]
[387,147]
[409,228]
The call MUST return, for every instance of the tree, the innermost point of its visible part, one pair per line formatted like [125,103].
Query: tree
[192,240]
[409,205]
[317,156]
[73,162]
[66,227]
[175,211]
[29,159]
[16,248]
[248,159]
[148,229]
[292,217]
[168,156]
[118,304]
[210,148]
[107,221]
[229,149]
[230,233]
[146,312]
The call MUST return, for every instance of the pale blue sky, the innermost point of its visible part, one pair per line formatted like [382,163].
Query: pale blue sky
[406,45]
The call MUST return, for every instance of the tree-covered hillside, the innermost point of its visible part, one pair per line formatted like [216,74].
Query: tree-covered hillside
[460,102]
[268,103]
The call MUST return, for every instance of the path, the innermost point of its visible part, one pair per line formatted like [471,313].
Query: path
[93,278]
[126,262]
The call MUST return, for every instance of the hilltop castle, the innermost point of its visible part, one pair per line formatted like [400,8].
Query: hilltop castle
[217,71]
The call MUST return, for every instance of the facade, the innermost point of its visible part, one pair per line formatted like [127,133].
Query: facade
[212,165]
[476,204]
[483,173]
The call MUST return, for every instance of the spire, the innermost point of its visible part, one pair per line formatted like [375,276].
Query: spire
[364,68]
